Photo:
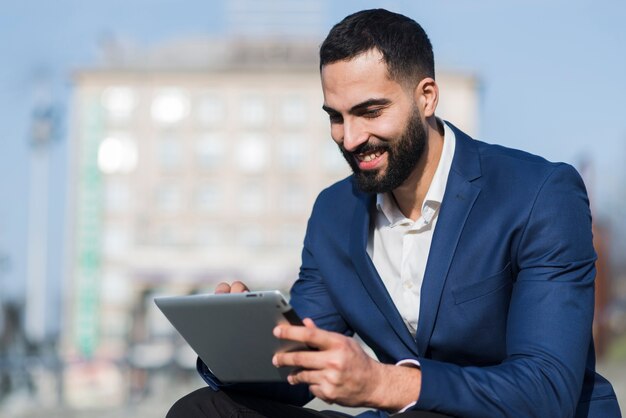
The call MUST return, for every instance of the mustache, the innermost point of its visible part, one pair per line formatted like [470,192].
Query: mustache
[368,147]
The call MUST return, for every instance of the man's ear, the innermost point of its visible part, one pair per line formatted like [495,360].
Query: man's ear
[426,95]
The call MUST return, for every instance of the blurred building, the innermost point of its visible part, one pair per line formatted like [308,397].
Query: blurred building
[195,163]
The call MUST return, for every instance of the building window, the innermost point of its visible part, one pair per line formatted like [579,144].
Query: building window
[116,287]
[210,235]
[117,153]
[293,198]
[116,240]
[166,235]
[252,153]
[170,153]
[210,150]
[119,102]
[254,111]
[117,198]
[290,235]
[208,197]
[333,159]
[170,106]
[292,152]
[252,197]
[251,235]
[168,198]
[293,111]
[211,110]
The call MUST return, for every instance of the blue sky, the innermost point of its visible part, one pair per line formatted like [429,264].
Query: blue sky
[552,76]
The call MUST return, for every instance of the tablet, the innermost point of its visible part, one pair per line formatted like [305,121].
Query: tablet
[232,332]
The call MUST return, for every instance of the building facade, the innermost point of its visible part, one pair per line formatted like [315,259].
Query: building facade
[193,164]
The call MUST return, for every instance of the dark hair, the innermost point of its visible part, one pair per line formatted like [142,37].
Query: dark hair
[405,47]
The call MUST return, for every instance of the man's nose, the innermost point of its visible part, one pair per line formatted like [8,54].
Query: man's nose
[354,134]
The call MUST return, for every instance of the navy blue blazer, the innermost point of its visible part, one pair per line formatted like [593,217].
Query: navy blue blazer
[507,298]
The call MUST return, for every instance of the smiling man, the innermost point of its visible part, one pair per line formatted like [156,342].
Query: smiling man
[468,268]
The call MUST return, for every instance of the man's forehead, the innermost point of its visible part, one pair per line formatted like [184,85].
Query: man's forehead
[349,82]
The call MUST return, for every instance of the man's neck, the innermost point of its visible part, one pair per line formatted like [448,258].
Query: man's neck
[409,196]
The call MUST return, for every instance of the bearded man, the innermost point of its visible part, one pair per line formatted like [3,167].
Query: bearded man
[467,268]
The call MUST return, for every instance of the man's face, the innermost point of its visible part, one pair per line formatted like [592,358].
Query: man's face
[403,153]
[374,121]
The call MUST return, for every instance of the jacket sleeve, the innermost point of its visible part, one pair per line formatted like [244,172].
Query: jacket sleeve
[549,320]
[310,299]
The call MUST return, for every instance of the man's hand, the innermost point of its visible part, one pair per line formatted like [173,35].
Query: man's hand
[341,372]
[235,287]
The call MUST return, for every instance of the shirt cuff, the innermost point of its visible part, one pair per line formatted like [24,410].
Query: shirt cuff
[409,362]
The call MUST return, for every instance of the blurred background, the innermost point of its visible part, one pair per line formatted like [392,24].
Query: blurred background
[156,147]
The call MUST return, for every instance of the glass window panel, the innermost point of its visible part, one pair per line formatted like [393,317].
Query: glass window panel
[166,235]
[252,153]
[116,240]
[116,287]
[170,106]
[251,235]
[168,198]
[117,196]
[290,235]
[254,111]
[119,101]
[208,197]
[293,111]
[252,197]
[170,153]
[211,109]
[292,152]
[210,150]
[293,198]
[333,159]
[210,235]
[117,153]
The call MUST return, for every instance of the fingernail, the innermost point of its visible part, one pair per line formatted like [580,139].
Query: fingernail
[277,331]
[275,361]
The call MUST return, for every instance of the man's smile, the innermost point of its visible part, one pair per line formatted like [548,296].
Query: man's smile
[370,159]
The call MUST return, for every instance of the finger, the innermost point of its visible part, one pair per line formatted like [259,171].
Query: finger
[238,287]
[311,336]
[317,386]
[322,392]
[310,377]
[308,322]
[312,360]
[222,287]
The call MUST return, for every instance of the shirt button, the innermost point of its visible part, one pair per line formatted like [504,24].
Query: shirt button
[408,285]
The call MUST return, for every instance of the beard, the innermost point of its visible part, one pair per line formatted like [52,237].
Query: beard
[402,155]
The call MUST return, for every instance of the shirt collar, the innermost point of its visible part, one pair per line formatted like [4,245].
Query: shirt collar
[386,203]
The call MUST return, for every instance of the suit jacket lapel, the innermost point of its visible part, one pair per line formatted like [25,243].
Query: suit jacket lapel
[458,200]
[369,276]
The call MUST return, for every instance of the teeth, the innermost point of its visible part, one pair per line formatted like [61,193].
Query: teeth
[370,157]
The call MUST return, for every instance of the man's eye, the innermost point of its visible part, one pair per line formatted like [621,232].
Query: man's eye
[335,118]
[372,113]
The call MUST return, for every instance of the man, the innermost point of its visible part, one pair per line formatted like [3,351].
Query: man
[468,268]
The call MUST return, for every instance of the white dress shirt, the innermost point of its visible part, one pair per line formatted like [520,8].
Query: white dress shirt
[399,247]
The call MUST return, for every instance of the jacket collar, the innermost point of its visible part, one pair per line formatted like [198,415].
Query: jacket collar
[458,200]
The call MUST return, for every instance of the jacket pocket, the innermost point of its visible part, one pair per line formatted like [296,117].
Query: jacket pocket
[485,287]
